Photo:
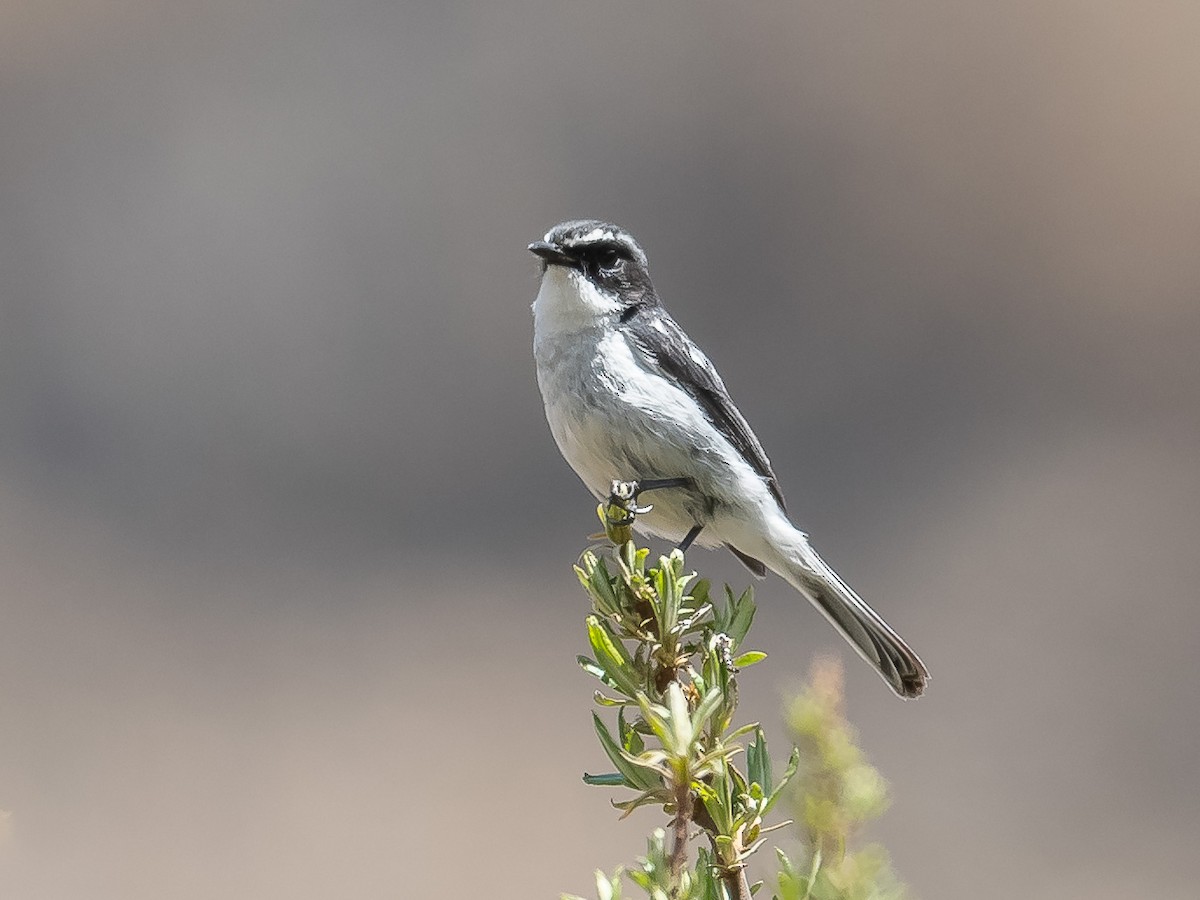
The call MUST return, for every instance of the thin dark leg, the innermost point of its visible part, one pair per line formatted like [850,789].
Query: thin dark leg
[656,484]
[625,495]
[689,537]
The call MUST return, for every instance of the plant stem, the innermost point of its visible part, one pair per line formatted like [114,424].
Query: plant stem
[737,886]
[683,818]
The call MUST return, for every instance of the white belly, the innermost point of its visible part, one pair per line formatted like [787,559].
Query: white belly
[613,419]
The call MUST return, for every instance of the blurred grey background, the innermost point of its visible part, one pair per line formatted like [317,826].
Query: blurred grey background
[285,543]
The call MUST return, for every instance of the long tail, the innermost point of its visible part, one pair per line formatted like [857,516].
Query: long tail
[864,628]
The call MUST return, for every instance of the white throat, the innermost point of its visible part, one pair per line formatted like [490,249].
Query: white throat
[568,302]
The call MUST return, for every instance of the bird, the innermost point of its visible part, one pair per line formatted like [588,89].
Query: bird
[635,406]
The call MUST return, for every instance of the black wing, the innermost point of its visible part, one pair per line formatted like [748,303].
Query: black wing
[662,340]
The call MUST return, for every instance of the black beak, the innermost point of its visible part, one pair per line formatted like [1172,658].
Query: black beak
[552,255]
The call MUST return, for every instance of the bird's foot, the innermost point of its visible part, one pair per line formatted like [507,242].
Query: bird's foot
[621,508]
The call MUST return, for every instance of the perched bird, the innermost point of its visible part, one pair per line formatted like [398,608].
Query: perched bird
[630,398]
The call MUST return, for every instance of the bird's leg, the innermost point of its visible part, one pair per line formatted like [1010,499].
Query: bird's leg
[624,496]
[656,484]
[689,537]
[622,508]
[618,512]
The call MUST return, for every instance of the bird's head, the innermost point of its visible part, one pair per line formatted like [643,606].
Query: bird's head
[591,269]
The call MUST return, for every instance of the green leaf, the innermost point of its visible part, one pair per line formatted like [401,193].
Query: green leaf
[589,666]
[792,766]
[681,723]
[631,741]
[610,779]
[601,589]
[743,616]
[708,883]
[725,849]
[628,554]
[602,700]
[758,762]
[646,798]
[746,660]
[713,759]
[656,717]
[612,657]
[666,586]
[708,705]
[583,576]
[723,613]
[608,888]
[743,730]
[635,776]
[716,799]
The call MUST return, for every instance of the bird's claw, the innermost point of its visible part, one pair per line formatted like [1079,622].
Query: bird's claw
[619,511]
[623,495]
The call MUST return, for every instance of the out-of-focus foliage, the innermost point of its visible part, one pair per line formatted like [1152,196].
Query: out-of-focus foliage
[835,792]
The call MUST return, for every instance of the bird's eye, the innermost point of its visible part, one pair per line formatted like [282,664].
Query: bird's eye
[608,258]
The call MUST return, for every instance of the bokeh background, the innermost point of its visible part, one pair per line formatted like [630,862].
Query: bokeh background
[285,545]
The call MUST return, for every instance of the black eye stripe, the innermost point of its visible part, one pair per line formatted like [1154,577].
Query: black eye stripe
[609,261]
[606,254]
